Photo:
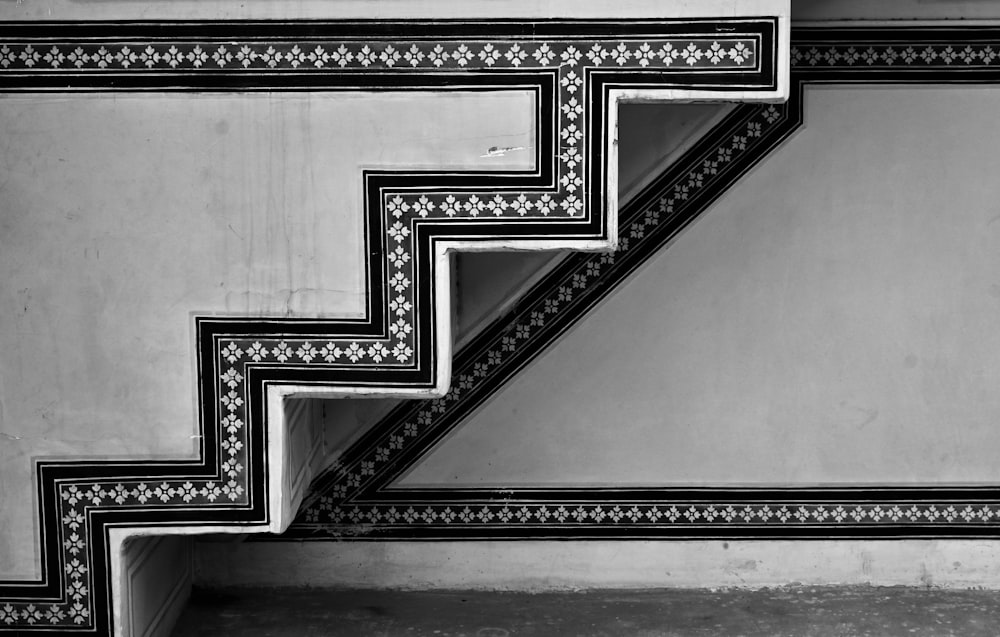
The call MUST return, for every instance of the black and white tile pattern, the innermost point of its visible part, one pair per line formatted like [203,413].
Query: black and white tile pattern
[357,499]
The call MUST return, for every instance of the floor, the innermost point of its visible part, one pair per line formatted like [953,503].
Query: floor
[801,612]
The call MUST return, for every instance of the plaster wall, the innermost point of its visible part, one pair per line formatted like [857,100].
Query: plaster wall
[801,10]
[832,320]
[124,215]
[486,284]
[381,9]
[649,137]
[572,565]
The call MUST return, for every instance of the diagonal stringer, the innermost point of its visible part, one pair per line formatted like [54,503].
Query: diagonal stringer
[357,499]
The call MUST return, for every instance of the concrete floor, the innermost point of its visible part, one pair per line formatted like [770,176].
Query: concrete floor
[802,612]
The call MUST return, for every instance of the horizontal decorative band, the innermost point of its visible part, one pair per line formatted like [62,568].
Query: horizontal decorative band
[732,53]
[645,514]
[883,55]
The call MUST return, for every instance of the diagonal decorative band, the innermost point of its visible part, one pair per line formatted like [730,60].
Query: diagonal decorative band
[356,498]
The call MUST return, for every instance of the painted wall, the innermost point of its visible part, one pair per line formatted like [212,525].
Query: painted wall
[830,321]
[56,400]
[208,204]
[122,216]
[808,10]
[486,284]
[572,565]
[374,9]
[649,137]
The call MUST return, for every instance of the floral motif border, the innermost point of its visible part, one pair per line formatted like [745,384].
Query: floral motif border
[570,65]
[356,498]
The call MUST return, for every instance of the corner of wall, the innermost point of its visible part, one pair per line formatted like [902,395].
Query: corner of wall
[156,583]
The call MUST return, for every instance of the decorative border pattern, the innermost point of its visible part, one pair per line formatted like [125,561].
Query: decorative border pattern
[356,498]
[374,55]
[570,65]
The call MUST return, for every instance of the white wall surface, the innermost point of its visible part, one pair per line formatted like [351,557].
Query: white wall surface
[485,284]
[650,136]
[121,216]
[270,9]
[831,320]
[548,565]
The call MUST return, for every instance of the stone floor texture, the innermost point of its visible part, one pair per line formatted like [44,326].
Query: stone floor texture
[797,611]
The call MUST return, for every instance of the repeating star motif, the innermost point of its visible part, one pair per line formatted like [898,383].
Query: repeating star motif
[356,497]
[380,55]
